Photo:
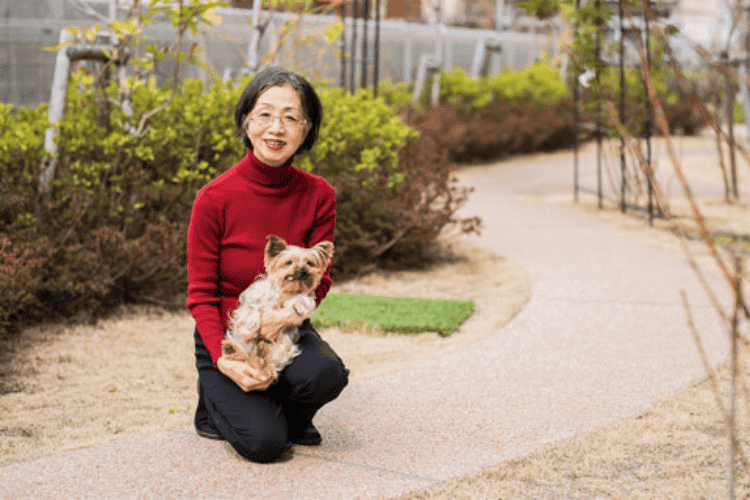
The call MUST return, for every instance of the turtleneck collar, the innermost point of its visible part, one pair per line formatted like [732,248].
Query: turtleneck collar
[265,176]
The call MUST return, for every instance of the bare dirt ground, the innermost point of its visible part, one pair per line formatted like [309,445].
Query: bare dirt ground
[69,387]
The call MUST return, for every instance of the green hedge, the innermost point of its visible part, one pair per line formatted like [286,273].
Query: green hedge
[491,117]
[529,110]
[538,84]
[114,225]
[113,228]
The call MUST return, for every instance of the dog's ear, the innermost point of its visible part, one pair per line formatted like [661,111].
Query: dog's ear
[274,246]
[324,250]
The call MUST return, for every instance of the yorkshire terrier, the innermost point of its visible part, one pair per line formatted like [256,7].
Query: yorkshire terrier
[264,328]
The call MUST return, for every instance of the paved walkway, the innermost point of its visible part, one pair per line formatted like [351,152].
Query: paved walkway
[603,337]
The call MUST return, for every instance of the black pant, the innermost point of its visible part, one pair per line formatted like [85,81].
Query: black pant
[258,423]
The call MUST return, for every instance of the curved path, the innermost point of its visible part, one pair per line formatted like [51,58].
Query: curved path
[602,338]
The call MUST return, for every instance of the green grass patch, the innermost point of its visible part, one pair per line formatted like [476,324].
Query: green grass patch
[392,314]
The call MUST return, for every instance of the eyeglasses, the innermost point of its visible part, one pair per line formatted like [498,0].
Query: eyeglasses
[290,119]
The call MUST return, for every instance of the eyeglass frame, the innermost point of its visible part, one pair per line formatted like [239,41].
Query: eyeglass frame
[302,124]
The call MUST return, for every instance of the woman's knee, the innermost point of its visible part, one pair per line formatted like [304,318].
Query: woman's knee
[262,447]
[320,382]
[333,377]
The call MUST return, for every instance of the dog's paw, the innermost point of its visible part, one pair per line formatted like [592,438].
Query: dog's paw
[302,305]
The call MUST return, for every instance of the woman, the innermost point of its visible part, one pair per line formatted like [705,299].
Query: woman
[277,116]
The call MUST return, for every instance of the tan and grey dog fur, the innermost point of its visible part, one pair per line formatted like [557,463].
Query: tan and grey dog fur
[263,330]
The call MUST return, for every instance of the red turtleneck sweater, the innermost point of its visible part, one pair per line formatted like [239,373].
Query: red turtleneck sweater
[231,218]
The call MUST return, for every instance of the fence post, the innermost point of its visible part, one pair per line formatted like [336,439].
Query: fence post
[56,109]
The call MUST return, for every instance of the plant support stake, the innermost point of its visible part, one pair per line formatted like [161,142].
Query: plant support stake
[66,56]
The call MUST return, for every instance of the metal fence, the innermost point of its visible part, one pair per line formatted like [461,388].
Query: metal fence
[27,26]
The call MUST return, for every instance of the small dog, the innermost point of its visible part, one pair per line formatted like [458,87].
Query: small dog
[263,330]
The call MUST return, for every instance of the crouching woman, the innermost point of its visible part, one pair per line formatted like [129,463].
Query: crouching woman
[277,116]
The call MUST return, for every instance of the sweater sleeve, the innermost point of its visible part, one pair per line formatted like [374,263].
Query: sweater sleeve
[203,243]
[323,230]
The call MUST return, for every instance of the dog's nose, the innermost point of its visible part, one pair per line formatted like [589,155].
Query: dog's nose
[301,273]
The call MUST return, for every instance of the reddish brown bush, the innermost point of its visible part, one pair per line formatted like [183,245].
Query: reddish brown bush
[504,129]
[88,278]
[19,275]
[498,130]
[396,227]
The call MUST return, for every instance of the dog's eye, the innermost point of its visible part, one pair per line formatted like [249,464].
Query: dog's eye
[288,263]
[309,263]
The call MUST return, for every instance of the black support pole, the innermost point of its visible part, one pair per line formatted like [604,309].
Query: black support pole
[597,76]
[365,19]
[647,126]
[376,63]
[353,53]
[342,10]
[623,178]
[576,83]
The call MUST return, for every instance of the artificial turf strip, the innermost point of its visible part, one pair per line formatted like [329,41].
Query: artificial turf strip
[392,314]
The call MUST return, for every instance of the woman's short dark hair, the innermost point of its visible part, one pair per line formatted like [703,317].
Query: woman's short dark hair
[277,77]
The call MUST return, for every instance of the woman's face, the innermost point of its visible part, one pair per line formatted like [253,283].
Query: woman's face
[276,126]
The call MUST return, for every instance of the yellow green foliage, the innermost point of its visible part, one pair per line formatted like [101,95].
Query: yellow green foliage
[539,84]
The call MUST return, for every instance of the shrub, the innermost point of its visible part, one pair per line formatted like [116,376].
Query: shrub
[148,166]
[113,228]
[530,110]
[396,95]
[359,136]
[425,203]
[495,116]
[115,223]
[21,154]
[393,193]
[501,129]
[538,85]
[19,277]
[459,89]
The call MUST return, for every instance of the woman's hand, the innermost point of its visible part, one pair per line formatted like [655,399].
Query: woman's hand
[244,375]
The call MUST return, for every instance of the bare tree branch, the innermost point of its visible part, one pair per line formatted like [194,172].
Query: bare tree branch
[711,375]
